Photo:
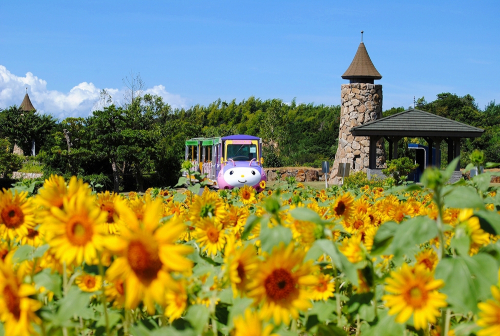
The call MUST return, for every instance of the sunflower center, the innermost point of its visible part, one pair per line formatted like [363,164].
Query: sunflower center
[241,271]
[245,194]
[340,208]
[12,216]
[207,209]
[89,281]
[79,231]
[144,261]
[213,235]
[12,302]
[110,210]
[416,297]
[429,264]
[119,287]
[322,286]
[358,223]
[3,253]
[32,233]
[279,284]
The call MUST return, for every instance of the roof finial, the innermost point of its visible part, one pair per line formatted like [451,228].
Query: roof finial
[26,89]
[413,101]
[362,36]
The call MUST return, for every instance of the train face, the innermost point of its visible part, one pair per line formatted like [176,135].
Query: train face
[240,174]
[241,164]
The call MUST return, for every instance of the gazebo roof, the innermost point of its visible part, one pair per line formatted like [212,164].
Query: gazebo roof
[361,66]
[417,123]
[26,105]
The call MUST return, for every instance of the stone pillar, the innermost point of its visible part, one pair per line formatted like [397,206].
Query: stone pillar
[360,103]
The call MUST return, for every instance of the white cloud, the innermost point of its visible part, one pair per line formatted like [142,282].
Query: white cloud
[78,102]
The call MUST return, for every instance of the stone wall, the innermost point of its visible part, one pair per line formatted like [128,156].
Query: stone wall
[19,175]
[360,103]
[300,174]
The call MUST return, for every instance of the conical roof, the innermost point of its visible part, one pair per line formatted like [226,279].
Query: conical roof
[361,66]
[26,104]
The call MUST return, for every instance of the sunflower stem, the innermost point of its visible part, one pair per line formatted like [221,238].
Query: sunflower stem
[337,295]
[358,325]
[103,295]
[65,279]
[446,321]
[441,252]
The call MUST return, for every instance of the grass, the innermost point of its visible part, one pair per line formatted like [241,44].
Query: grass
[31,167]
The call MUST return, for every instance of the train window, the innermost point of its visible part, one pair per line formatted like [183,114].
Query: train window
[239,152]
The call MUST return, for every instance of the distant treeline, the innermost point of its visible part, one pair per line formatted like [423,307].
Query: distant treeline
[142,144]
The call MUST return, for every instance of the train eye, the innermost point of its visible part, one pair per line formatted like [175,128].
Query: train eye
[253,172]
[231,172]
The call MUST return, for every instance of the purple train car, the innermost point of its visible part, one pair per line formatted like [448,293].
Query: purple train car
[228,162]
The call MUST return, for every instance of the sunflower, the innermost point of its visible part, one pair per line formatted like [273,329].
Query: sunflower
[489,316]
[414,292]
[54,191]
[147,253]
[324,288]
[115,292]
[33,238]
[16,214]
[210,235]
[262,184]
[236,217]
[477,236]
[281,284]
[361,205]
[208,205]
[251,325]
[342,206]
[353,249]
[358,222]
[428,258]
[240,265]
[176,300]
[247,195]
[106,202]
[89,282]
[74,232]
[5,249]
[17,309]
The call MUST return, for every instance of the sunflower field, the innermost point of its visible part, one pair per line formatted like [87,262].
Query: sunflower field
[409,260]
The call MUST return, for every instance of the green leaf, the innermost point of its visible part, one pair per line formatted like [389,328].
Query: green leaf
[464,197]
[24,252]
[339,260]
[467,280]
[70,305]
[40,251]
[195,189]
[323,309]
[469,167]
[249,225]
[308,215]
[386,325]
[412,233]
[113,318]
[483,180]
[197,315]
[50,281]
[460,242]
[383,238]
[314,253]
[273,237]
[179,198]
[492,165]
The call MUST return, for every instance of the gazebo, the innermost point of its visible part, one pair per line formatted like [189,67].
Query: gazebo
[415,123]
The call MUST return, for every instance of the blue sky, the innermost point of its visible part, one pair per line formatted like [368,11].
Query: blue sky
[194,52]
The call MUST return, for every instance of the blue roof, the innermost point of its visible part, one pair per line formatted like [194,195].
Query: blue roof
[241,137]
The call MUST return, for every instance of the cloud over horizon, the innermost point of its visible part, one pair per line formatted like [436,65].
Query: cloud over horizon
[80,101]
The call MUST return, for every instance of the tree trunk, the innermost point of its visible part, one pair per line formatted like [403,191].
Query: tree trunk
[116,176]
[138,177]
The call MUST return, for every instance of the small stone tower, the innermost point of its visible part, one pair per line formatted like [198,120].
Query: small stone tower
[361,102]
[26,105]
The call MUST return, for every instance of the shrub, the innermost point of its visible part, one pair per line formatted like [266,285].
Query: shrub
[360,179]
[399,169]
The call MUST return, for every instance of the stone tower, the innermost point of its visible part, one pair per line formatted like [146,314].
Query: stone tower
[361,102]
